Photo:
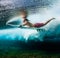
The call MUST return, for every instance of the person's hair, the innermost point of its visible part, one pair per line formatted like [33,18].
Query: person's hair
[23,11]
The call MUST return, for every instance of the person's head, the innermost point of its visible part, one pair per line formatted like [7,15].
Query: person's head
[23,14]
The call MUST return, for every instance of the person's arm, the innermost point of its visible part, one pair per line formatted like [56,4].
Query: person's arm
[48,21]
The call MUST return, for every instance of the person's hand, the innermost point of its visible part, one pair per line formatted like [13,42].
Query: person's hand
[21,26]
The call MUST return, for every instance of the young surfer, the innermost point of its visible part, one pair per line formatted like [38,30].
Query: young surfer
[24,15]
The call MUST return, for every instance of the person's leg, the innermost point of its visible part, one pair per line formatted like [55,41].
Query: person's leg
[48,21]
[42,24]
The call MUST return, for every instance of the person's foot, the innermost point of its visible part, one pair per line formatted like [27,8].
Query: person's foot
[52,18]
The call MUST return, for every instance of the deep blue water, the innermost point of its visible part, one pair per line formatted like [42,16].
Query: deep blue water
[30,38]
